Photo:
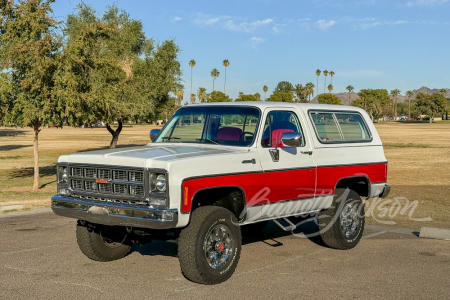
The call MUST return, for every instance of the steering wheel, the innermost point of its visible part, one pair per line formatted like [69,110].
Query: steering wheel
[241,137]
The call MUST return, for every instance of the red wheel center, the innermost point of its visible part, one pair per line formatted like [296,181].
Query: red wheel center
[220,247]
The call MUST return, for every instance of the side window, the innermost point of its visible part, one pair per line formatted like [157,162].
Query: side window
[340,127]
[277,123]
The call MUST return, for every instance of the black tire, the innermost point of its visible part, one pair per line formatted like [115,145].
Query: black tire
[103,243]
[332,224]
[254,229]
[193,242]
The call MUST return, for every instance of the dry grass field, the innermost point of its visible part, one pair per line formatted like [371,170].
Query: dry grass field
[418,155]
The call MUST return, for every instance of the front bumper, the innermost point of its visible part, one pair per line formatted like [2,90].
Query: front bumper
[114,214]
[385,192]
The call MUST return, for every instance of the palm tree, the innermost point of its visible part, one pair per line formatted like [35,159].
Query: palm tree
[186,103]
[331,75]
[325,85]
[318,74]
[226,63]
[330,88]
[179,94]
[310,87]
[395,93]
[265,89]
[214,74]
[349,88]
[201,94]
[409,94]
[192,98]
[192,64]
[305,93]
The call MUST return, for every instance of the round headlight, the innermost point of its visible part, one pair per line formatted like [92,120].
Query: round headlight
[161,183]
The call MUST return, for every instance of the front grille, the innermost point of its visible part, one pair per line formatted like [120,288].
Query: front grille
[128,185]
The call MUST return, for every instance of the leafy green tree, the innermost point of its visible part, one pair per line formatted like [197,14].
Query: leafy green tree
[258,96]
[394,94]
[29,54]
[330,88]
[318,72]
[325,73]
[281,97]
[226,64]
[376,102]
[431,105]
[217,96]
[265,89]
[329,99]
[192,64]
[247,98]
[240,95]
[349,88]
[284,87]
[298,90]
[6,96]
[201,94]
[113,73]
[409,94]
[214,74]
[331,76]
[310,87]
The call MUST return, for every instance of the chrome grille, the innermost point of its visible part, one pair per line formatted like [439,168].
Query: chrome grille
[120,175]
[107,184]
[77,184]
[136,176]
[120,188]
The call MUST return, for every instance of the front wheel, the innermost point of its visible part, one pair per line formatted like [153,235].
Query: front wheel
[209,248]
[342,224]
[103,243]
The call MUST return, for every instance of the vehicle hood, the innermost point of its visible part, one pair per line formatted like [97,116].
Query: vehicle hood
[148,156]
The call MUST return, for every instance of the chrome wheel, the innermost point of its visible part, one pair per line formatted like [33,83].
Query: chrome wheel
[218,246]
[350,222]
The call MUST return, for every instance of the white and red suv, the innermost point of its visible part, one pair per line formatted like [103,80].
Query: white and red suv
[216,170]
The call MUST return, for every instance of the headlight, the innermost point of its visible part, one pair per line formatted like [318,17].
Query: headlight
[158,182]
[62,173]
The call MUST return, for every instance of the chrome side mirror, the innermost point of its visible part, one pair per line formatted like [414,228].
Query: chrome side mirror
[154,133]
[292,139]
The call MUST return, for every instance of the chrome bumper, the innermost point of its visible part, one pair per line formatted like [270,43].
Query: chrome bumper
[385,192]
[114,214]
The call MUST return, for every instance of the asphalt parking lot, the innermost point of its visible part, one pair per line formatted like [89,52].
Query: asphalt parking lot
[40,259]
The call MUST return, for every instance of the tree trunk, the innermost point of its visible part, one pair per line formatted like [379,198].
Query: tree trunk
[36,155]
[431,119]
[115,134]
[225,83]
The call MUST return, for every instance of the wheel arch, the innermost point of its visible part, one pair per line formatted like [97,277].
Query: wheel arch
[359,183]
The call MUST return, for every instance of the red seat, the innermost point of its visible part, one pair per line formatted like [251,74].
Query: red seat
[229,134]
[277,134]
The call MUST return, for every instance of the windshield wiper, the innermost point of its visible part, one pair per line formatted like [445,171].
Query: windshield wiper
[208,140]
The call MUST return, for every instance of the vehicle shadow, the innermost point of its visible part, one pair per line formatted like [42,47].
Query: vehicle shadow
[13,147]
[268,236]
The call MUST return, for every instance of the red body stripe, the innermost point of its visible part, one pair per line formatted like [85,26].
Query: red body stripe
[284,185]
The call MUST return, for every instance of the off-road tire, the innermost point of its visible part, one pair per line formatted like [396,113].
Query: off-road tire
[330,221]
[191,254]
[93,245]
[253,230]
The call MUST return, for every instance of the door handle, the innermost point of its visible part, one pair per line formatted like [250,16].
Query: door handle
[249,161]
[307,152]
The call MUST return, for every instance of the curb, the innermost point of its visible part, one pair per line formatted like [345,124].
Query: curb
[11,207]
[26,213]
[435,233]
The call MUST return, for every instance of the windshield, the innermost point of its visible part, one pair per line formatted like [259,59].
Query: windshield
[223,125]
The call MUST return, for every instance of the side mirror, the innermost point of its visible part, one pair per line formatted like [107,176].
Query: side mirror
[154,133]
[292,139]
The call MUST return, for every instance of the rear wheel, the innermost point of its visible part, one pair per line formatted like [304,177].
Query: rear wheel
[209,248]
[103,243]
[342,224]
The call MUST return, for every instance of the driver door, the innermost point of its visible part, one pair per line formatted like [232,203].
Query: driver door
[290,182]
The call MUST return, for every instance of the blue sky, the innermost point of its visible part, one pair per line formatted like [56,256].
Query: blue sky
[368,43]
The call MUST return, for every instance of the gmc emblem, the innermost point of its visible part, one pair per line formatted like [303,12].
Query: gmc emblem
[98,180]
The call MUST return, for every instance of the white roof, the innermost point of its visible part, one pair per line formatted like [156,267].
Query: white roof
[268,104]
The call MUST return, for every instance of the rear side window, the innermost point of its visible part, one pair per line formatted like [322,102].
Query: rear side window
[340,127]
